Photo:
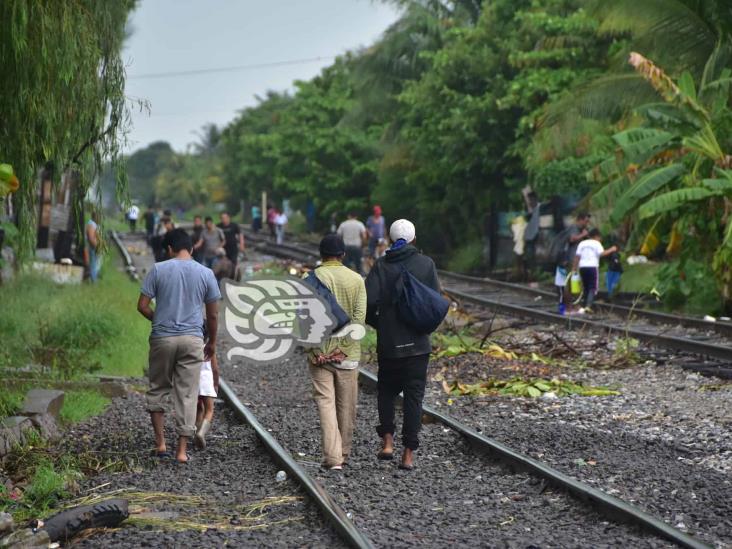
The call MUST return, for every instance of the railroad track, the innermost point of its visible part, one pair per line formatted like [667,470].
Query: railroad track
[657,329]
[457,456]
[668,331]
[722,328]
[572,495]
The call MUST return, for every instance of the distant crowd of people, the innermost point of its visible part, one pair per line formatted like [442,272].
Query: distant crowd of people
[216,246]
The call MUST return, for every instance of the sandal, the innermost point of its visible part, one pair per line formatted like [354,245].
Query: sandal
[166,454]
[385,456]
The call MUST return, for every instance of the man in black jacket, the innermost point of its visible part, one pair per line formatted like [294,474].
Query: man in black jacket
[403,353]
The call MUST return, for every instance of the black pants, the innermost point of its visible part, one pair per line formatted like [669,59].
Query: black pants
[407,375]
[353,258]
[590,281]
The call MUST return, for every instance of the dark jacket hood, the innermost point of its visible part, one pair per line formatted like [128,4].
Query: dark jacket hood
[400,254]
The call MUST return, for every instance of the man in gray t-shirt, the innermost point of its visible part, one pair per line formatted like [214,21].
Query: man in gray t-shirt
[181,287]
[212,238]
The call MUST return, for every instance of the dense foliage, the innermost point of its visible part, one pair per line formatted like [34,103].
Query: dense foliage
[461,104]
[434,121]
[62,99]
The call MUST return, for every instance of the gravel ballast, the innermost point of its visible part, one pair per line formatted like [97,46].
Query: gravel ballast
[454,496]
[234,471]
[664,443]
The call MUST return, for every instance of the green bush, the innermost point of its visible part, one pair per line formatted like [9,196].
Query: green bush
[94,324]
[690,285]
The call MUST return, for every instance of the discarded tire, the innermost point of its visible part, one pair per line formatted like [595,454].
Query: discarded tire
[65,525]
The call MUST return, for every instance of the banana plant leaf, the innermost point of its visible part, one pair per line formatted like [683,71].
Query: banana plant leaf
[640,144]
[644,187]
[673,200]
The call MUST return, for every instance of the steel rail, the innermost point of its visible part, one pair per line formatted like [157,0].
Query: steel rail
[606,504]
[129,265]
[669,342]
[333,512]
[723,328]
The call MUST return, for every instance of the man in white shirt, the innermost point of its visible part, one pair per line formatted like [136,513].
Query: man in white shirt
[587,260]
[132,214]
[354,234]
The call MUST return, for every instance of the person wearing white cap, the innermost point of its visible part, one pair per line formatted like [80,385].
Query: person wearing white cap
[403,353]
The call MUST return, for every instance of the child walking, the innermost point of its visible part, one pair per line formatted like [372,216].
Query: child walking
[587,260]
[207,389]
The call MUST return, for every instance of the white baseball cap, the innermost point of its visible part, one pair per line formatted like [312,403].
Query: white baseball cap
[402,228]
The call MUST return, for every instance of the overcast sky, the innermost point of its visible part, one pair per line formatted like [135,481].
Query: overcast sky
[189,35]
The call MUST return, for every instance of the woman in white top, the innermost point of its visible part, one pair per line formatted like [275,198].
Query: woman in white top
[587,260]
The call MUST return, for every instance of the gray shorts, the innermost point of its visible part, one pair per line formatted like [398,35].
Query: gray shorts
[175,370]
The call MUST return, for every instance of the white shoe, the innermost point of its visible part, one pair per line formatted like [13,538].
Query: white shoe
[336,468]
[581,311]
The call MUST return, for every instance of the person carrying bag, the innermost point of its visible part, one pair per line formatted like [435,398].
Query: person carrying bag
[404,305]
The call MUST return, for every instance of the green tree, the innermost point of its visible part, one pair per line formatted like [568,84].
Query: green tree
[468,121]
[62,98]
[143,168]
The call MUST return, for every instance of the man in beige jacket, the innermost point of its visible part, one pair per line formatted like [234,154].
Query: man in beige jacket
[334,366]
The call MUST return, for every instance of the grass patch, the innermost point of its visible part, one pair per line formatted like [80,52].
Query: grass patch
[49,484]
[80,405]
[11,399]
[638,278]
[92,325]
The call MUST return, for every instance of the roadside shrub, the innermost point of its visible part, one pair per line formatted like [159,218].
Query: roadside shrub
[80,328]
[66,342]
[690,285]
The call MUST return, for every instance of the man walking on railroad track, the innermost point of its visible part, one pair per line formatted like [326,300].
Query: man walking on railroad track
[334,366]
[376,226]
[180,287]
[212,238]
[403,351]
[233,238]
[353,233]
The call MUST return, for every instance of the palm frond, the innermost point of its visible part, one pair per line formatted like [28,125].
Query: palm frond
[670,31]
[718,61]
[608,97]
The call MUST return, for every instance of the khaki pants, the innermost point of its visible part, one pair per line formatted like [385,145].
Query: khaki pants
[175,363]
[335,392]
